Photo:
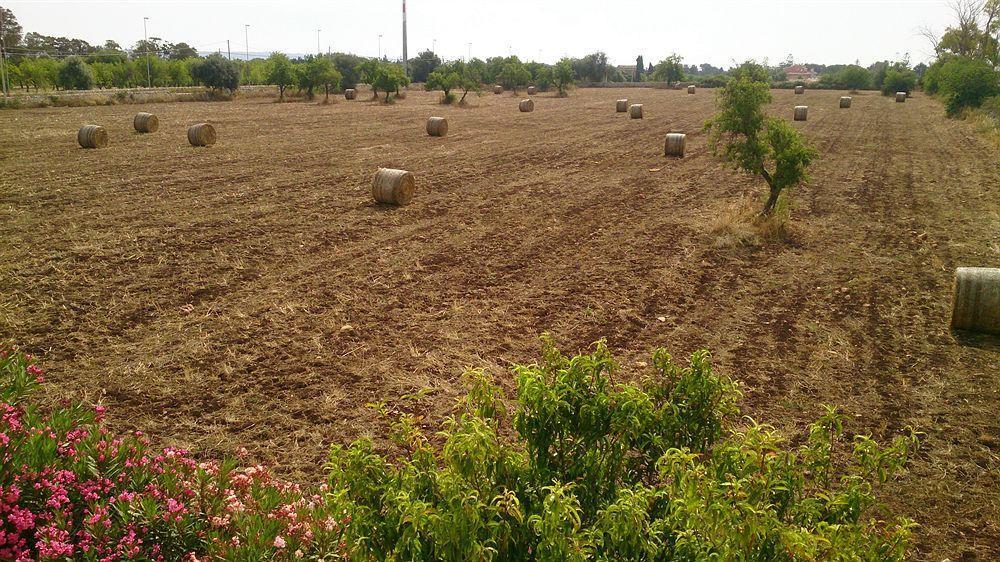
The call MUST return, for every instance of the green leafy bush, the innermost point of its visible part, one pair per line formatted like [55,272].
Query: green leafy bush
[217,73]
[898,78]
[586,468]
[965,83]
[74,74]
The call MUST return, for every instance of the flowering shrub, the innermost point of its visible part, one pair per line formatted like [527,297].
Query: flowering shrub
[69,489]
[585,469]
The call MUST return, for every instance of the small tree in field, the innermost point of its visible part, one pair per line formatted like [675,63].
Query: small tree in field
[563,76]
[75,75]
[854,78]
[217,73]
[318,72]
[472,77]
[445,78]
[669,70]
[280,72]
[751,141]
[514,74]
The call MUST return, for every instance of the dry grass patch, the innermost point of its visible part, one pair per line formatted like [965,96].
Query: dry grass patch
[740,224]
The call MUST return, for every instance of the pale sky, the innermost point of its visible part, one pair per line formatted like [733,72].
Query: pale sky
[713,31]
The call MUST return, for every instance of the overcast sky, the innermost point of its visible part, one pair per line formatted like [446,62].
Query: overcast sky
[714,31]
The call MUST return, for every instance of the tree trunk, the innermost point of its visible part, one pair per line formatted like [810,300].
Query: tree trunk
[772,198]
[281,94]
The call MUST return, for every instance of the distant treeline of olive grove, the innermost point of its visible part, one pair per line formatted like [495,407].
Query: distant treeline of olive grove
[38,62]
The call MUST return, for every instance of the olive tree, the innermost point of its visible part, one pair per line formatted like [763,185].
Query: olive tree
[445,78]
[74,74]
[514,74]
[563,76]
[216,72]
[280,72]
[747,139]
[670,70]
[318,71]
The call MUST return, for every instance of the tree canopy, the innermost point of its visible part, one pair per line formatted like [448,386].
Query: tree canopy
[747,139]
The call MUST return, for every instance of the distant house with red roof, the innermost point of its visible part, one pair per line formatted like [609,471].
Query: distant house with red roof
[800,72]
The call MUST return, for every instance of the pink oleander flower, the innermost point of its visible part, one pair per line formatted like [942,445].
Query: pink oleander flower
[279,542]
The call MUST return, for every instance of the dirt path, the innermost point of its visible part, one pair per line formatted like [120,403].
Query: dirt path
[250,294]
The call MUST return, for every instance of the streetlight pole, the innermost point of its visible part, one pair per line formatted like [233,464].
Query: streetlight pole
[145,36]
[406,62]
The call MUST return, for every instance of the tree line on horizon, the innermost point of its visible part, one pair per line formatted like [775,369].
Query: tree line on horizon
[41,62]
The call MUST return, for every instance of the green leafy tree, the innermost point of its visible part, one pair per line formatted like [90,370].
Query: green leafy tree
[11,30]
[853,77]
[513,75]
[347,65]
[898,78]
[280,72]
[423,65]
[747,139]
[967,83]
[390,78]
[670,70]
[367,70]
[563,75]
[181,51]
[472,76]
[543,78]
[217,73]
[753,71]
[74,74]
[318,72]
[445,78]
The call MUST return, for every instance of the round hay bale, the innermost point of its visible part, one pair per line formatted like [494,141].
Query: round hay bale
[394,187]
[635,111]
[800,89]
[437,126]
[498,89]
[146,123]
[350,94]
[92,136]
[526,106]
[801,112]
[621,106]
[675,145]
[201,134]
[691,89]
[845,102]
[532,90]
[900,97]
[976,303]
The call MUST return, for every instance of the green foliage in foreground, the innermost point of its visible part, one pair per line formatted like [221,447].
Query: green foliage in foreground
[585,468]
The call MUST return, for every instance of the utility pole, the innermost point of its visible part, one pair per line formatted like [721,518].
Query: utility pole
[145,36]
[319,50]
[229,52]
[469,46]
[406,63]
[246,38]
[380,46]
[3,57]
